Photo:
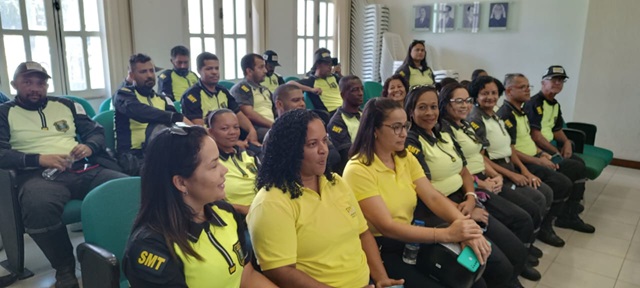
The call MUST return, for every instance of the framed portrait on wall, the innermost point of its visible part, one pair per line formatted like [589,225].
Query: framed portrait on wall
[422,20]
[445,17]
[470,16]
[498,15]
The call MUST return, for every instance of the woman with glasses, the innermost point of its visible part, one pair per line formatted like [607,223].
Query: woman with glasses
[414,69]
[305,224]
[184,234]
[395,88]
[519,208]
[442,162]
[387,181]
[242,165]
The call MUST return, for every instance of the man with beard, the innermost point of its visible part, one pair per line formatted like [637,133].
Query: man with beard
[173,82]
[254,99]
[272,80]
[343,126]
[138,107]
[39,132]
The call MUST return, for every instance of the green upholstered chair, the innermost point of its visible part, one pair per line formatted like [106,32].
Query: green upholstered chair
[290,78]
[105,105]
[85,104]
[371,90]
[106,120]
[108,213]
[178,106]
[226,84]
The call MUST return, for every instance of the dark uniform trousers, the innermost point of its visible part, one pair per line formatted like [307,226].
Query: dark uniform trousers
[559,183]
[575,169]
[43,201]
[508,254]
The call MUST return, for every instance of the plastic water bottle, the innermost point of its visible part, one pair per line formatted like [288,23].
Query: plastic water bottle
[410,254]
[52,173]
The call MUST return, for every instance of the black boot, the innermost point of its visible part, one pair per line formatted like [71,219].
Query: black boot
[530,273]
[535,251]
[57,247]
[532,260]
[570,219]
[547,235]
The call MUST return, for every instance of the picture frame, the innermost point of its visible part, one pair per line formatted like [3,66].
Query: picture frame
[498,15]
[422,17]
[470,15]
[445,17]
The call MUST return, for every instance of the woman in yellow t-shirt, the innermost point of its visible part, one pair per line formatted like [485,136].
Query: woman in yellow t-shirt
[395,88]
[184,235]
[387,182]
[306,227]
[242,165]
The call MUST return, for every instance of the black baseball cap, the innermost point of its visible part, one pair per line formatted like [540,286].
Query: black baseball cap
[271,56]
[555,71]
[322,55]
[30,67]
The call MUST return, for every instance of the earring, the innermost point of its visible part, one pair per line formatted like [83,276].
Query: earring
[185,193]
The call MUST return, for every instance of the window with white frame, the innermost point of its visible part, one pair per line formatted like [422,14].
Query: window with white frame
[316,24]
[221,27]
[65,36]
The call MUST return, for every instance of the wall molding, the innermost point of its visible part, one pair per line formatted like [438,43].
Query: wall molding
[626,163]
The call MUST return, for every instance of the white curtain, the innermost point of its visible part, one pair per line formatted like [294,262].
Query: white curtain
[117,15]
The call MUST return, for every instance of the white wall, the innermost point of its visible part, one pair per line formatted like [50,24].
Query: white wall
[542,33]
[158,26]
[280,33]
[609,95]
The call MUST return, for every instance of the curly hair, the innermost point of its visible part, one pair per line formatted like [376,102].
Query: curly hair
[480,83]
[387,83]
[284,153]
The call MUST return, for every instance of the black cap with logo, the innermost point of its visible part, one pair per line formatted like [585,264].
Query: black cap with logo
[555,71]
[30,67]
[271,57]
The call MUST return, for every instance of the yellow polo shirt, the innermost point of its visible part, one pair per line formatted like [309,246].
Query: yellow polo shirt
[497,135]
[549,118]
[317,232]
[416,77]
[241,177]
[396,188]
[444,167]
[470,149]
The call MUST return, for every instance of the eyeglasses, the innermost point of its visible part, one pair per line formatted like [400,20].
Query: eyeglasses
[178,129]
[556,79]
[460,101]
[397,127]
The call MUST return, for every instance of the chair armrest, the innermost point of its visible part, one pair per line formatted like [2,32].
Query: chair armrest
[588,129]
[577,137]
[99,267]
[11,227]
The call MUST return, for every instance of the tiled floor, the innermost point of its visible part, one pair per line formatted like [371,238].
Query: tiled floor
[610,258]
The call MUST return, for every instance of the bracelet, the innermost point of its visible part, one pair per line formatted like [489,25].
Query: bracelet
[472,194]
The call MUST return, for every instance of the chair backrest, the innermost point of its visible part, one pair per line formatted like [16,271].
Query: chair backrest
[178,106]
[371,90]
[105,105]
[226,84]
[85,104]
[308,103]
[108,213]
[106,120]
[289,78]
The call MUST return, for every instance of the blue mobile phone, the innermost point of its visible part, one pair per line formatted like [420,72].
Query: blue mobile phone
[556,158]
[468,259]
